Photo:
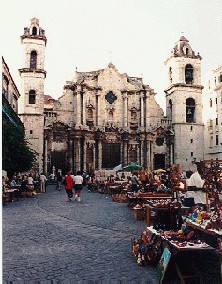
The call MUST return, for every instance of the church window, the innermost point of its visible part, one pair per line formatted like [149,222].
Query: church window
[191,141]
[170,109]
[159,141]
[211,103]
[187,51]
[220,78]
[191,154]
[189,74]
[110,97]
[32,97]
[190,110]
[33,59]
[216,139]
[34,31]
[170,75]
[191,128]
[31,131]
[217,120]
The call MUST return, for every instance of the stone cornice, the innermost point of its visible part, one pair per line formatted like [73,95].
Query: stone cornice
[30,70]
[184,86]
[34,37]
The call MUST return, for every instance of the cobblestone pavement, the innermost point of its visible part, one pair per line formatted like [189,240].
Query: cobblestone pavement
[47,239]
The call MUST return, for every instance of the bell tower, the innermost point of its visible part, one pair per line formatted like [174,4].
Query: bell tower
[31,103]
[184,103]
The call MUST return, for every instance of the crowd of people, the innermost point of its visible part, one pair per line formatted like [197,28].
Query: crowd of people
[142,180]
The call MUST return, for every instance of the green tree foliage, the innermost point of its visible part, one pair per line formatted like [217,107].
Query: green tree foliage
[17,156]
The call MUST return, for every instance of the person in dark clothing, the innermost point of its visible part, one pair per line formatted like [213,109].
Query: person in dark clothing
[59,181]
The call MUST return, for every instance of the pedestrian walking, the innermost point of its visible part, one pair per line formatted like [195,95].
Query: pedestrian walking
[78,185]
[42,179]
[89,183]
[68,183]
[59,181]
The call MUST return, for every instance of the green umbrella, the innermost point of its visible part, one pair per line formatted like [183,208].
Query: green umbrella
[132,167]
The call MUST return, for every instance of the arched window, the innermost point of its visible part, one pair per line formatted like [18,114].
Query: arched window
[170,75]
[187,51]
[33,59]
[189,74]
[32,95]
[34,31]
[170,109]
[190,110]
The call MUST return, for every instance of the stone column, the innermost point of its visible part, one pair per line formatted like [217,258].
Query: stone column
[98,116]
[151,153]
[99,154]
[84,155]
[45,155]
[125,112]
[146,111]
[142,151]
[141,111]
[123,150]
[76,153]
[78,108]
[72,156]
[84,111]
[148,153]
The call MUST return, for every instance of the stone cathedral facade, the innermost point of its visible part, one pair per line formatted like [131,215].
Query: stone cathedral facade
[105,118]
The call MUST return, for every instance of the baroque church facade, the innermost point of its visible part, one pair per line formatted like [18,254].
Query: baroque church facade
[105,118]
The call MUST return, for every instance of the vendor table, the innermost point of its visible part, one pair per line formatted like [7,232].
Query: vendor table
[13,193]
[211,237]
[191,264]
[141,198]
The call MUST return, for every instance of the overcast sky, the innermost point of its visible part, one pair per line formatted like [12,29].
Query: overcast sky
[136,35]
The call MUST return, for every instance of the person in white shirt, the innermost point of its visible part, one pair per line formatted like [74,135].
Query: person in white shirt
[78,185]
[30,182]
[42,179]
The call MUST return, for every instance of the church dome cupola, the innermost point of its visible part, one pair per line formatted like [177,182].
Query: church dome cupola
[34,31]
[183,49]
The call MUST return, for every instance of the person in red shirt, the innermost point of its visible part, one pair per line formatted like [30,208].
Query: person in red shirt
[69,185]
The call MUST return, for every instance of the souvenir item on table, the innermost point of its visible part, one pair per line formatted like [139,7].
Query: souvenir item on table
[194,215]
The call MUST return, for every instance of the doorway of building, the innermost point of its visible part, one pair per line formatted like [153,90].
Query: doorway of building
[159,161]
[59,161]
[110,155]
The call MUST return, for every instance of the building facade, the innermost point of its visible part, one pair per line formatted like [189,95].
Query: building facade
[105,118]
[184,103]
[213,118]
[31,102]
